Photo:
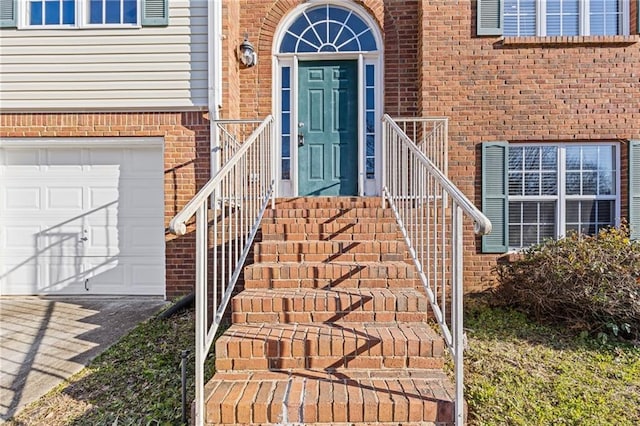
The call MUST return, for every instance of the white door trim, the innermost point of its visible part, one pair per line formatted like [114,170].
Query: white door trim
[289,187]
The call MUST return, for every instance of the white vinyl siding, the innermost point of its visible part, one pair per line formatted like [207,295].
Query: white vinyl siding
[153,68]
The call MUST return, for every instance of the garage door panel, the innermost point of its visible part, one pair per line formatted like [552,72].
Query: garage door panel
[68,215]
[20,277]
[62,275]
[64,241]
[101,197]
[146,160]
[105,158]
[143,239]
[102,241]
[144,274]
[64,197]
[62,159]
[19,237]
[141,196]
[105,273]
[21,159]
[20,198]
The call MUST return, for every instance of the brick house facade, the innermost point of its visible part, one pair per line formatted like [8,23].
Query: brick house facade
[542,90]
[533,89]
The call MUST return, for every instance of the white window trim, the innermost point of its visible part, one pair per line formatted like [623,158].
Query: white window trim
[561,197]
[584,18]
[81,18]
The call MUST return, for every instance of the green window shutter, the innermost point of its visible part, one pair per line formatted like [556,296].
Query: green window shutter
[634,189]
[155,13]
[495,202]
[489,17]
[8,13]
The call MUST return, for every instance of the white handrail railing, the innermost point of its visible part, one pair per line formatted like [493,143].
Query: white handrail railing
[429,209]
[232,134]
[430,134]
[237,196]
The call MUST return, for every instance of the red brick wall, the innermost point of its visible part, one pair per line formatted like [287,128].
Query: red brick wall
[230,64]
[398,20]
[586,89]
[186,163]
[491,89]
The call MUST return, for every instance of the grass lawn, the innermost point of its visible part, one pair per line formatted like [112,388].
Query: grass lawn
[517,373]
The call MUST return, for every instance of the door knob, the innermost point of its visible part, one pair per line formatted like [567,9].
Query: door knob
[300,134]
[83,239]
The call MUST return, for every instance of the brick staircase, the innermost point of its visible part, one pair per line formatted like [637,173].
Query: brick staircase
[331,327]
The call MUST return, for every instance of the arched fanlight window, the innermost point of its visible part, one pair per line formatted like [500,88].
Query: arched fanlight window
[328,29]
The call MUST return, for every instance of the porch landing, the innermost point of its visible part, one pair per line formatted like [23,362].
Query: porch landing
[331,327]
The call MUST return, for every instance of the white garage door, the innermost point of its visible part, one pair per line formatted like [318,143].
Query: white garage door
[79,220]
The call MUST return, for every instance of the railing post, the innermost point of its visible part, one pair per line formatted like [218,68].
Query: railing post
[457,313]
[383,161]
[274,164]
[201,308]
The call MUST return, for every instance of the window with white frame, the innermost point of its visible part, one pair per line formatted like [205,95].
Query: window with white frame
[565,17]
[51,14]
[555,189]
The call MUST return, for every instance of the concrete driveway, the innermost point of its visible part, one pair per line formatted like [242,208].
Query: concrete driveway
[44,340]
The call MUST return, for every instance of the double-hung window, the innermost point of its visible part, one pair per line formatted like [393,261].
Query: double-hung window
[51,12]
[47,13]
[65,14]
[565,17]
[549,190]
[113,12]
[553,17]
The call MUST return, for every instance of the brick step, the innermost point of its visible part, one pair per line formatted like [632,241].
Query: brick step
[375,231]
[332,270]
[419,397]
[336,219]
[329,275]
[339,305]
[329,346]
[330,283]
[328,202]
[329,213]
[329,251]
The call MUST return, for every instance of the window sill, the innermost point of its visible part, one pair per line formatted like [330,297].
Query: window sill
[570,41]
[511,256]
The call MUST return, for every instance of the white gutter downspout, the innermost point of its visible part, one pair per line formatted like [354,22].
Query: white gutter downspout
[214,78]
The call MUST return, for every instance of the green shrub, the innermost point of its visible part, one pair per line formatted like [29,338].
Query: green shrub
[590,282]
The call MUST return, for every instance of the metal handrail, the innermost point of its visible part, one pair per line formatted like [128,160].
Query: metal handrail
[177,225]
[429,209]
[430,134]
[482,223]
[238,196]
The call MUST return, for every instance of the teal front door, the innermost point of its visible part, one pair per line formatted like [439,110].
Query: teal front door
[328,128]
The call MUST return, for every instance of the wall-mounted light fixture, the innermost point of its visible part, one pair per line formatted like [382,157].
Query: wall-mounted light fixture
[248,55]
